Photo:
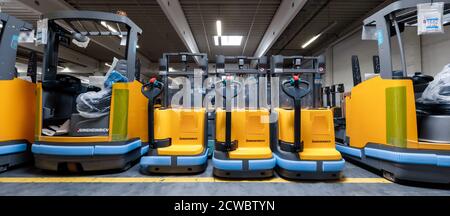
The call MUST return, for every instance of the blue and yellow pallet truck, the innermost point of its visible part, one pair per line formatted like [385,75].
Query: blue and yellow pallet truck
[110,140]
[177,129]
[242,141]
[386,127]
[303,139]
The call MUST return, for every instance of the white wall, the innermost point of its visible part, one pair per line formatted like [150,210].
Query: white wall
[427,54]
[435,52]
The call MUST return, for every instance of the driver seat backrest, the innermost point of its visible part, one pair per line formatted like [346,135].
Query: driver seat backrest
[59,100]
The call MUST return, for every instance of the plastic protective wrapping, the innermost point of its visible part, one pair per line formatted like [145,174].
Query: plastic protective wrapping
[437,90]
[94,104]
[97,104]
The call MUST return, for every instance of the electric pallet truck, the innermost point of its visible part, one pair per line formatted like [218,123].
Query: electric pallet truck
[177,133]
[242,142]
[386,128]
[303,139]
[110,141]
[17,96]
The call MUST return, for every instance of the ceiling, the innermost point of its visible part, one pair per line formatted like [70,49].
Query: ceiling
[249,18]
[16,9]
[158,34]
[315,17]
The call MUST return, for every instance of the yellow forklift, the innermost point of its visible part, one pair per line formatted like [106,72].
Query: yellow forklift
[17,96]
[386,127]
[242,141]
[79,128]
[177,128]
[302,133]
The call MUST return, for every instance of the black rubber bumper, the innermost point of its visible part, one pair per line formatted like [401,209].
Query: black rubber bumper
[400,171]
[406,172]
[12,160]
[243,174]
[193,169]
[88,163]
[296,175]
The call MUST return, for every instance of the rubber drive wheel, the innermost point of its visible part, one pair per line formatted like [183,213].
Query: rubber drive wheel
[73,167]
[389,176]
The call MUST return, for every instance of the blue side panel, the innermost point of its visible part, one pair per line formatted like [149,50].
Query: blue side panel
[13,148]
[63,150]
[264,164]
[227,164]
[306,166]
[114,150]
[155,161]
[144,150]
[85,150]
[402,157]
[349,150]
[443,160]
[192,160]
[333,166]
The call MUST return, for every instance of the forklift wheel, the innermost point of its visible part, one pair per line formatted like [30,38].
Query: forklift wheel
[389,176]
[73,167]
[3,168]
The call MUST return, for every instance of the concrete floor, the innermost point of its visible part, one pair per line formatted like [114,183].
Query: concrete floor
[359,182]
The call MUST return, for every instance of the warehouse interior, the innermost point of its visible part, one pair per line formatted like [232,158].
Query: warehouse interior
[331,29]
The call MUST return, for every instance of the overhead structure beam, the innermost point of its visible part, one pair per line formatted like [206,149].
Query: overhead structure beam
[286,12]
[69,55]
[175,14]
[46,6]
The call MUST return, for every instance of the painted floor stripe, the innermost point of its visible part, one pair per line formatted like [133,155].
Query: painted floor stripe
[169,180]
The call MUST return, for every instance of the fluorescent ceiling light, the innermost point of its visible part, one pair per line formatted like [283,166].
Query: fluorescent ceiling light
[219,27]
[328,28]
[110,28]
[228,40]
[310,41]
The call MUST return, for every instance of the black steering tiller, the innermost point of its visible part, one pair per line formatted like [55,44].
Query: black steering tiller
[292,88]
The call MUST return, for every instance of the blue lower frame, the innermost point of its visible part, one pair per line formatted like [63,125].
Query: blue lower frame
[310,166]
[333,166]
[237,165]
[13,148]
[398,157]
[91,150]
[181,160]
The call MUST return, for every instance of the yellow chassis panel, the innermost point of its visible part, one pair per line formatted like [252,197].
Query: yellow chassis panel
[366,115]
[317,133]
[17,111]
[185,127]
[250,128]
